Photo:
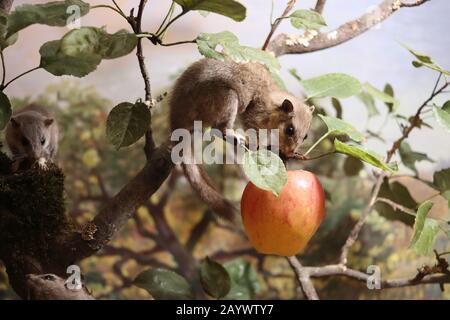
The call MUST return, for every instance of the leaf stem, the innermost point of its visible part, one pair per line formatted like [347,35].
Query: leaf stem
[3,69]
[110,7]
[177,43]
[20,76]
[159,34]
[317,143]
[167,17]
[118,8]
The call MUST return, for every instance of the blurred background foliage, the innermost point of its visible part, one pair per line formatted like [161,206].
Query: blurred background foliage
[175,230]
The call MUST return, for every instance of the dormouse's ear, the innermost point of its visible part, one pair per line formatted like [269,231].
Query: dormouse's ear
[312,108]
[48,122]
[287,106]
[15,123]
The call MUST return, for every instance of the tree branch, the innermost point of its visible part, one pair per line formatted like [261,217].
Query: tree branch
[298,44]
[340,270]
[277,22]
[320,5]
[303,278]
[136,25]
[115,214]
[414,123]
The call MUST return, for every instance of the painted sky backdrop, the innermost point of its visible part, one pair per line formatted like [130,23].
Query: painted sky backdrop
[376,56]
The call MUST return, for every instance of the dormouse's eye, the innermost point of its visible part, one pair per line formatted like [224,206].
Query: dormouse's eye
[290,131]
[49,277]
[306,137]
[25,141]
[42,141]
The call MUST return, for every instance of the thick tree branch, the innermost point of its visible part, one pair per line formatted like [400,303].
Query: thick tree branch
[320,5]
[115,214]
[298,44]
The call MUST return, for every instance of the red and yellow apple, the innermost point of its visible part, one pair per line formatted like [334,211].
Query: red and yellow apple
[284,225]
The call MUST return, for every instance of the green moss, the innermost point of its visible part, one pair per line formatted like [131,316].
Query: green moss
[32,208]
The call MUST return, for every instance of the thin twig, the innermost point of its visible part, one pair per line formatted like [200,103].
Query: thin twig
[20,76]
[396,206]
[303,278]
[136,24]
[357,228]
[277,22]
[413,4]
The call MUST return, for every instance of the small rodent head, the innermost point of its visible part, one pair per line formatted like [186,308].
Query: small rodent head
[51,287]
[293,119]
[31,135]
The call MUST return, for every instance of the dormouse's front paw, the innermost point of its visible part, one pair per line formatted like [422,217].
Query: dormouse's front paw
[42,164]
[238,138]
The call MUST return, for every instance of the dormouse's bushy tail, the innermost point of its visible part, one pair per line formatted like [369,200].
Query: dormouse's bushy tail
[201,183]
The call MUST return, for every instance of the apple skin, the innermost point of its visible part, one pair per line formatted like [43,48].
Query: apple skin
[284,225]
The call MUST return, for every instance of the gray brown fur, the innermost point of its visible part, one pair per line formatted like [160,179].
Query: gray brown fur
[32,134]
[218,93]
[52,287]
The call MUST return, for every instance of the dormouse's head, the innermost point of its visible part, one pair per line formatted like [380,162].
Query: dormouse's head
[51,287]
[293,120]
[32,135]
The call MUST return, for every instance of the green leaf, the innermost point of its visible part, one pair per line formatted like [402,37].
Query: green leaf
[364,155]
[80,51]
[336,85]
[51,13]
[127,123]
[339,127]
[228,8]
[389,90]
[164,284]
[446,107]
[244,280]
[12,39]
[59,64]
[369,102]
[337,106]
[208,44]
[426,61]
[410,157]
[307,20]
[442,117]
[425,230]
[397,193]
[5,110]
[96,41]
[441,180]
[382,96]
[214,278]
[265,170]
[5,41]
